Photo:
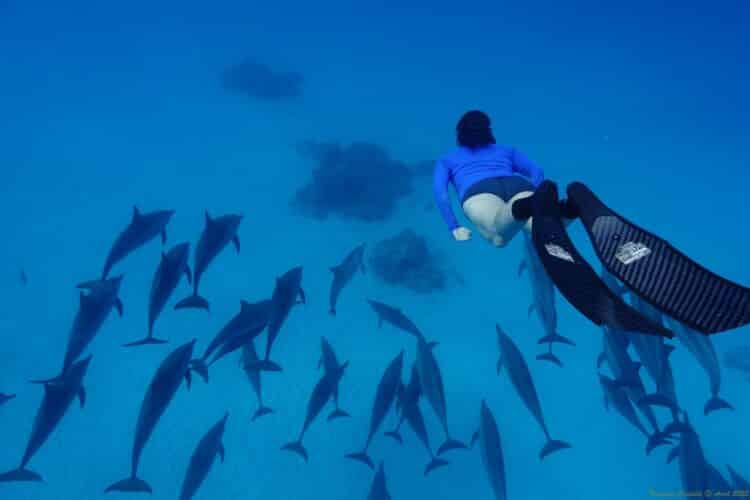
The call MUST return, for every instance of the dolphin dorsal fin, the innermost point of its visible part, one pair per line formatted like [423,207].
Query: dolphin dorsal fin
[209,220]
[136,212]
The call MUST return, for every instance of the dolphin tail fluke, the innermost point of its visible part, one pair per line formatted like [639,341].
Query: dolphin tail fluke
[337,413]
[435,463]
[20,475]
[555,338]
[716,403]
[200,367]
[261,412]
[451,444]
[297,448]
[395,435]
[264,365]
[657,400]
[548,356]
[362,457]
[655,440]
[195,301]
[132,485]
[146,341]
[551,447]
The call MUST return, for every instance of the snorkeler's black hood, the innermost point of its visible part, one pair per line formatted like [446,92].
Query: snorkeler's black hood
[474,130]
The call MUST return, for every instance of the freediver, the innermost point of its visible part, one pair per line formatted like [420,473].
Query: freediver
[501,192]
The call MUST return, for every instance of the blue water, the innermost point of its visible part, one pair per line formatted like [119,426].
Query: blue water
[105,106]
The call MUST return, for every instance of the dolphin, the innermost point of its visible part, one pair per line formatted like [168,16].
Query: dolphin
[4,398]
[408,401]
[385,395]
[395,317]
[344,272]
[433,389]
[252,317]
[288,289]
[738,482]
[702,349]
[203,458]
[616,396]
[57,399]
[379,489]
[172,266]
[625,370]
[160,392]
[143,228]
[330,364]
[492,452]
[694,470]
[92,312]
[518,372]
[250,357]
[322,394]
[217,234]
[543,293]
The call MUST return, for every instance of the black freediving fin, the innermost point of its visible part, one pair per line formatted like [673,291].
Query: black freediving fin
[659,273]
[573,276]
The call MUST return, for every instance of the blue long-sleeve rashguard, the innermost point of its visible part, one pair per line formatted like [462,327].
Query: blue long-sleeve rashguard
[464,167]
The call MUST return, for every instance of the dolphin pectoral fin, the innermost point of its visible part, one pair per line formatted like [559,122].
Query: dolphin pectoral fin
[188,275]
[222,452]
[136,213]
[302,296]
[209,220]
[530,310]
[236,241]
[669,349]
[188,379]
[164,236]
[333,269]
[82,396]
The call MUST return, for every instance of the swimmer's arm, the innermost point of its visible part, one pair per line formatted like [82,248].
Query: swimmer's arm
[440,191]
[524,166]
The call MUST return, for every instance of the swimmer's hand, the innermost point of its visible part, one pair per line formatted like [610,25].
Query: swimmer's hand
[461,234]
